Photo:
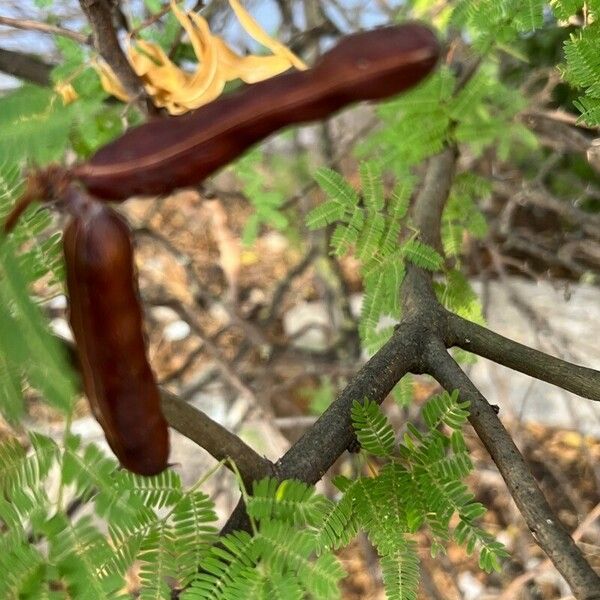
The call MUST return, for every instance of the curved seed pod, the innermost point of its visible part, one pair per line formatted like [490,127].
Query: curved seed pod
[165,154]
[106,319]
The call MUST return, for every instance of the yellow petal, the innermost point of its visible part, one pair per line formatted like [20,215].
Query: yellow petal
[195,39]
[262,37]
[249,68]
[110,82]
[178,91]
[205,84]
[67,92]
[154,66]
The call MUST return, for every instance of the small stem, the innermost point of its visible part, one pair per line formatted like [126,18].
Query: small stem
[244,492]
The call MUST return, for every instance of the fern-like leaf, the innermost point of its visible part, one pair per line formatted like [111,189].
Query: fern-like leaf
[339,525]
[371,185]
[157,491]
[24,335]
[400,570]
[563,9]
[290,500]
[422,255]
[223,567]
[373,430]
[157,563]
[403,391]
[22,568]
[93,474]
[78,551]
[446,409]
[345,236]
[193,528]
[21,471]
[283,548]
[336,187]
[369,241]
[325,214]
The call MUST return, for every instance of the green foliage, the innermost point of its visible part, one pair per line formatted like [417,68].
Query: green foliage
[582,70]
[287,550]
[400,570]
[290,501]
[422,255]
[331,524]
[265,198]
[169,532]
[462,214]
[321,397]
[37,128]
[403,391]
[369,225]
[27,349]
[373,431]
[458,296]
[493,124]
[563,9]
[151,520]
[498,22]
[419,485]
[290,554]
[582,65]
[480,115]
[416,124]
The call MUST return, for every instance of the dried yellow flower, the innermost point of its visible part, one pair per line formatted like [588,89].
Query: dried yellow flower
[179,91]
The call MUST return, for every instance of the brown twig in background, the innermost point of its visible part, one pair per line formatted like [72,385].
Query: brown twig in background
[285,283]
[513,588]
[228,372]
[29,25]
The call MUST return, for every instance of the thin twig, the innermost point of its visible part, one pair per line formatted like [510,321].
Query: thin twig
[469,336]
[214,438]
[29,25]
[516,584]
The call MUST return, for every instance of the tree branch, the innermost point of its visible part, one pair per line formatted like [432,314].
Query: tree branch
[99,15]
[547,530]
[469,336]
[421,304]
[215,439]
[433,195]
[25,66]
[321,445]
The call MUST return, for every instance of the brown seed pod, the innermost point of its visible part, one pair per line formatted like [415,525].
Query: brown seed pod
[165,154]
[106,318]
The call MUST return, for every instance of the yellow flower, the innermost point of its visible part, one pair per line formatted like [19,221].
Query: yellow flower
[179,91]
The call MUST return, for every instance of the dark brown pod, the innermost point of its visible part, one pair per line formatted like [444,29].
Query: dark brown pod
[106,318]
[165,154]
